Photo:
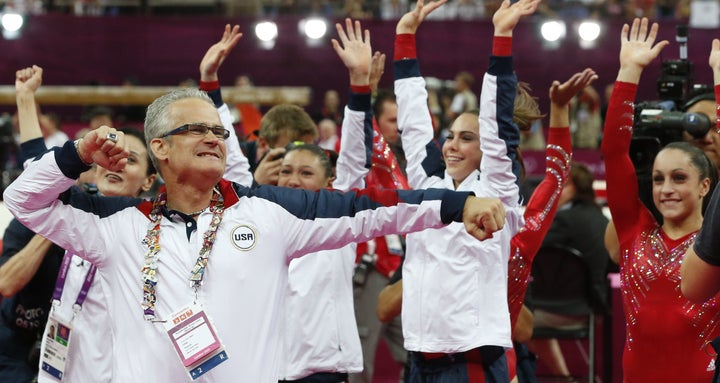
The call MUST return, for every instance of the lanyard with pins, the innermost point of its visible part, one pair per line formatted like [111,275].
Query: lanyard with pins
[152,242]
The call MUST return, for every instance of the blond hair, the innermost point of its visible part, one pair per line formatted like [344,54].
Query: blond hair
[526,109]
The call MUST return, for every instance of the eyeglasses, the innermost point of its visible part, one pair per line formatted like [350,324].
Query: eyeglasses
[198,129]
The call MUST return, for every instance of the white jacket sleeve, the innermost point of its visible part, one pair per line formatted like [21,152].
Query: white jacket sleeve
[328,219]
[41,198]
[237,167]
[354,159]
[499,136]
[425,167]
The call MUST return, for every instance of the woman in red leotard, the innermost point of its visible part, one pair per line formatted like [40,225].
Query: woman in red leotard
[667,335]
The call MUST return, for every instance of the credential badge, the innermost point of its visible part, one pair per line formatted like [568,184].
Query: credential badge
[244,237]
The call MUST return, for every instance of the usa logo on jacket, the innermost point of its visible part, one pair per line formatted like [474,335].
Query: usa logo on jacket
[244,237]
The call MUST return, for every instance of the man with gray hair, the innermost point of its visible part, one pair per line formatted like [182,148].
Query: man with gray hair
[195,277]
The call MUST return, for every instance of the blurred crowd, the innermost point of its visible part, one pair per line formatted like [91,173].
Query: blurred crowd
[479,9]
[463,304]
[359,9]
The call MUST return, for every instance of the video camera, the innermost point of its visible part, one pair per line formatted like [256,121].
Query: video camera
[676,75]
[657,123]
[655,126]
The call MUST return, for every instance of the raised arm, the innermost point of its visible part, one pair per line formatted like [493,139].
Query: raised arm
[499,135]
[425,166]
[700,269]
[355,51]
[354,159]
[23,251]
[19,265]
[27,82]
[377,68]
[541,208]
[216,54]
[637,50]
[237,167]
[509,14]
[561,94]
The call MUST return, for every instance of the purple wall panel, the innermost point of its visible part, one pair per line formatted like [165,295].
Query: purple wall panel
[164,51]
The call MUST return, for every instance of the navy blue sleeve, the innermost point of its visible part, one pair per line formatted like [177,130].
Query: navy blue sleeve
[307,204]
[406,68]
[69,160]
[502,67]
[216,97]
[433,164]
[362,103]
[31,149]
[15,238]
[35,296]
[99,205]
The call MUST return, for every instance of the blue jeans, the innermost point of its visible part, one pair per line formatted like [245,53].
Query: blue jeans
[486,364]
[526,365]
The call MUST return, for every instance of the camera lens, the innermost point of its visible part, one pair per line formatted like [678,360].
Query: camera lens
[697,124]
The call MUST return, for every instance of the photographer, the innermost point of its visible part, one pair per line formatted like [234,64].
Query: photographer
[666,334]
[702,101]
[700,272]
[682,114]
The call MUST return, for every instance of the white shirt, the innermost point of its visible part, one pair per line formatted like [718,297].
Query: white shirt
[90,356]
[244,285]
[454,286]
[319,330]
[91,342]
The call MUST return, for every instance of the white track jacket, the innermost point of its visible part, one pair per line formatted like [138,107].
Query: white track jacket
[454,286]
[245,283]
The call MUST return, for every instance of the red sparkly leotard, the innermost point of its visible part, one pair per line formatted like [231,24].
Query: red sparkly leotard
[667,335]
[539,214]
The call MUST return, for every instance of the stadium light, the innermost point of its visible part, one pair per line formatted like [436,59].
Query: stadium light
[314,29]
[12,23]
[267,33]
[589,30]
[553,30]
